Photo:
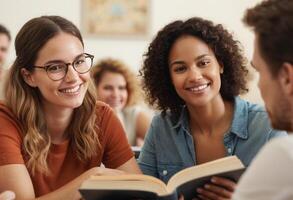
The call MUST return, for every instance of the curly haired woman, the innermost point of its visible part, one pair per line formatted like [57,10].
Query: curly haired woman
[194,71]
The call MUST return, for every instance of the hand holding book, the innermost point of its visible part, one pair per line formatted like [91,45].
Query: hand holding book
[184,182]
[218,188]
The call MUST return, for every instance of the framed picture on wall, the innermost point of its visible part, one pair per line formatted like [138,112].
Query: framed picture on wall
[116,17]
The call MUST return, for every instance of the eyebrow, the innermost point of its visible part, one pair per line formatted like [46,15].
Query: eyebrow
[197,58]
[61,61]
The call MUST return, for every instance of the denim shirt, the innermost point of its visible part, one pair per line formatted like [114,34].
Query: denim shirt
[169,145]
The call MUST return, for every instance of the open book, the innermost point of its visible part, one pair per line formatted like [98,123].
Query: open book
[133,186]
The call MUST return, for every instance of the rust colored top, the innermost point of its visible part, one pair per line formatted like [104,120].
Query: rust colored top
[62,161]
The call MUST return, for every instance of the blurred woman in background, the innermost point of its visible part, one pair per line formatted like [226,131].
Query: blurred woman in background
[117,86]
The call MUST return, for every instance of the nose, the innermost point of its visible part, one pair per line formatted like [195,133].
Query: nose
[71,75]
[194,73]
[115,93]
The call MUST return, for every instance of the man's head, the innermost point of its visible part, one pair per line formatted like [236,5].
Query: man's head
[4,43]
[272,22]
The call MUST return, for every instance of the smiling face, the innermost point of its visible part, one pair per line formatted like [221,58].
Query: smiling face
[194,70]
[112,90]
[68,92]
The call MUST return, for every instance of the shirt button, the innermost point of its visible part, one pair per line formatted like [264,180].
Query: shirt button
[165,172]
[229,150]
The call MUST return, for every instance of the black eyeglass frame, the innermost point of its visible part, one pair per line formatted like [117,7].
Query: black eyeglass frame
[87,55]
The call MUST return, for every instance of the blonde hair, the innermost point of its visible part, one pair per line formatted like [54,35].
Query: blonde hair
[117,66]
[26,104]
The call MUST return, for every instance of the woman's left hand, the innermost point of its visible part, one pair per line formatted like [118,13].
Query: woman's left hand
[218,189]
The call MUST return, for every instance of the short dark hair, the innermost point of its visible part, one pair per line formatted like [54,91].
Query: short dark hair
[155,72]
[4,30]
[272,21]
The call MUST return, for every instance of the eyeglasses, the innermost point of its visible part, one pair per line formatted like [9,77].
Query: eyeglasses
[57,71]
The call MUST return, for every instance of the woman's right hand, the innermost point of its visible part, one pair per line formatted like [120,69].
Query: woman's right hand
[7,195]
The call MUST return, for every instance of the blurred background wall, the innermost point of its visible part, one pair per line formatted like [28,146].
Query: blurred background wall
[14,13]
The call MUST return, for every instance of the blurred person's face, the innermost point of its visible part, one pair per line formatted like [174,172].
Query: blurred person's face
[276,101]
[112,89]
[4,46]
[195,71]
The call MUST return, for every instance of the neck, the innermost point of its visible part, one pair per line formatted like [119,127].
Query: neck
[57,120]
[208,119]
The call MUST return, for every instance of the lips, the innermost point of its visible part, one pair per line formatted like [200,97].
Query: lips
[70,90]
[198,88]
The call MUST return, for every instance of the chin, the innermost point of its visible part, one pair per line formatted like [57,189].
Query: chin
[75,104]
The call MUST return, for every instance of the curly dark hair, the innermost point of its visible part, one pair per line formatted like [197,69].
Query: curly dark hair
[155,71]
[272,21]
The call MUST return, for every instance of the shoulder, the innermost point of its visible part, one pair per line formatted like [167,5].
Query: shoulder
[258,115]
[102,108]
[107,121]
[160,119]
[10,138]
[253,114]
[251,120]
[259,120]
[131,112]
[251,108]
[134,108]
[105,116]
[8,120]
[161,126]
[104,112]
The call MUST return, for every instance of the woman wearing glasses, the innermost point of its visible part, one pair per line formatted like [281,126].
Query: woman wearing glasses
[53,133]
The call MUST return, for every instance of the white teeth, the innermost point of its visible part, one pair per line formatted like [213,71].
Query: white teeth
[198,88]
[71,90]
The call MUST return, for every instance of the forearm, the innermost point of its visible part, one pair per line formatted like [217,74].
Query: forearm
[70,190]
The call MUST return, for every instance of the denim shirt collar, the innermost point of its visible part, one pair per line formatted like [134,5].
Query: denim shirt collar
[239,122]
[240,119]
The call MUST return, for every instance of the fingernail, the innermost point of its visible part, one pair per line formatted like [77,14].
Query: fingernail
[199,190]
[214,180]
[207,186]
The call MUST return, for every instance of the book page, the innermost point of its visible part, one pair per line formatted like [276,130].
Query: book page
[210,168]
